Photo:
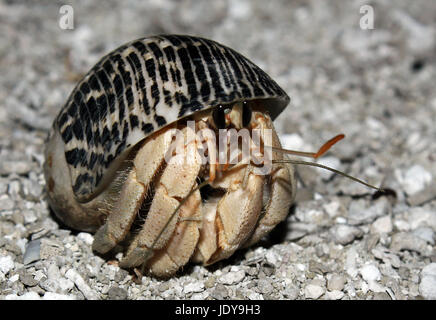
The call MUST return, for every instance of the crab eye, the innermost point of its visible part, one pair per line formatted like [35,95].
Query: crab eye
[218,116]
[246,114]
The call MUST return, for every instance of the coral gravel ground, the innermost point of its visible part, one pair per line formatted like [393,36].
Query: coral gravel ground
[340,241]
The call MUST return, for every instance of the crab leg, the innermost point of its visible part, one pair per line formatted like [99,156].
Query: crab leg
[280,193]
[181,245]
[227,223]
[163,230]
[237,214]
[145,165]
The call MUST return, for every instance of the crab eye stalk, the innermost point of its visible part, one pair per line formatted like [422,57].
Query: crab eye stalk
[219,117]
[246,115]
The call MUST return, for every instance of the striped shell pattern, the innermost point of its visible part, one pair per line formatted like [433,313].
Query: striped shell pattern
[144,85]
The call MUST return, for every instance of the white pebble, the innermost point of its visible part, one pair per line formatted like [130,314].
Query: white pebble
[65,285]
[240,9]
[193,287]
[350,262]
[74,247]
[345,234]
[370,273]
[200,296]
[408,241]
[6,264]
[300,266]
[422,217]
[292,141]
[272,258]
[359,214]
[425,233]
[414,179]
[364,287]
[6,203]
[427,286]
[382,225]
[14,278]
[317,196]
[336,282]
[332,208]
[376,287]
[401,225]
[340,220]
[255,296]
[29,216]
[334,295]
[53,272]
[57,296]
[21,243]
[27,296]
[86,238]
[232,277]
[420,37]
[312,291]
[74,276]
[38,275]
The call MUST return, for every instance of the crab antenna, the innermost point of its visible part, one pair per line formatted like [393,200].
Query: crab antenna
[314,164]
[324,148]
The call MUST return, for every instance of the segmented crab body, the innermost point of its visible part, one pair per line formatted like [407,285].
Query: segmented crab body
[112,164]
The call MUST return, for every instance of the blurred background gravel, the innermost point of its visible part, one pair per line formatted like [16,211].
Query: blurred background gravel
[340,242]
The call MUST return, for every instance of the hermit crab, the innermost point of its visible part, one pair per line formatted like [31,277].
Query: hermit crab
[115,165]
